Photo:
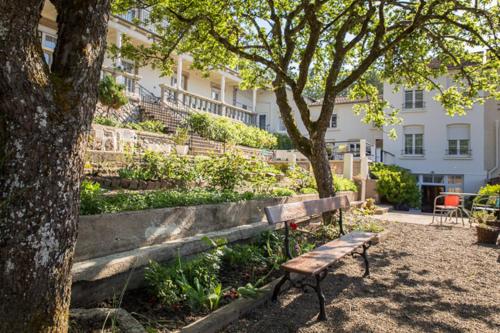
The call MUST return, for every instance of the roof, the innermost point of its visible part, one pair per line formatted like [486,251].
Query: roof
[341,100]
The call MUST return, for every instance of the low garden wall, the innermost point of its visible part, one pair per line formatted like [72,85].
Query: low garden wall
[113,249]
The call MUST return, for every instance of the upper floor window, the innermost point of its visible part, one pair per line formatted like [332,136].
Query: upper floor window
[215,93]
[458,140]
[413,140]
[414,99]
[128,66]
[333,121]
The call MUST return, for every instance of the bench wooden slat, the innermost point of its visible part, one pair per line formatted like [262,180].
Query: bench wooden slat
[319,259]
[295,210]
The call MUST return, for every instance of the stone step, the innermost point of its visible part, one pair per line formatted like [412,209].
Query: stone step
[382,209]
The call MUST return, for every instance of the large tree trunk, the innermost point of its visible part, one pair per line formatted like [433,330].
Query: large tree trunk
[43,125]
[321,167]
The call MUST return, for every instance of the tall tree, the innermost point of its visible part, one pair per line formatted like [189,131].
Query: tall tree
[45,115]
[290,45]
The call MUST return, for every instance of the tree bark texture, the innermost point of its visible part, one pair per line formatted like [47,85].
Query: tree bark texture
[44,118]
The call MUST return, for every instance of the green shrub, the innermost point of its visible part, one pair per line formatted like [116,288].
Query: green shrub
[154,126]
[490,190]
[227,171]
[308,190]
[282,192]
[111,94]
[225,130]
[300,178]
[284,142]
[90,196]
[396,185]
[343,184]
[99,203]
[106,121]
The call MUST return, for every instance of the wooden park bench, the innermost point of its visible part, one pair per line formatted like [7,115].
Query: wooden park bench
[316,263]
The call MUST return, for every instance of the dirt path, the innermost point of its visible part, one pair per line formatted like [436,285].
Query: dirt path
[423,279]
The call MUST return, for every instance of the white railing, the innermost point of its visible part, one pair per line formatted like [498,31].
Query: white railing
[201,103]
[140,17]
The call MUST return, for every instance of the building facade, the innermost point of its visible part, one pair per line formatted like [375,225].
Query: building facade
[219,93]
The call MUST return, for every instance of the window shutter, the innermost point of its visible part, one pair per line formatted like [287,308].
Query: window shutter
[458,132]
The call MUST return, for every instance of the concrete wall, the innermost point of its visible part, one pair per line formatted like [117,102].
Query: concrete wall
[114,248]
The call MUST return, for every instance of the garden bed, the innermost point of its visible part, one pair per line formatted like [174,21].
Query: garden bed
[235,270]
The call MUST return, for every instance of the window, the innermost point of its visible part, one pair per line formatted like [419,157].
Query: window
[128,67]
[455,183]
[48,45]
[458,140]
[215,93]
[262,121]
[413,140]
[173,81]
[333,121]
[414,99]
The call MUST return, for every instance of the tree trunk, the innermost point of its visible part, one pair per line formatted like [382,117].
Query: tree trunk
[322,171]
[43,124]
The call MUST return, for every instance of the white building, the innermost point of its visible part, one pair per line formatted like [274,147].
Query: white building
[445,153]
[219,93]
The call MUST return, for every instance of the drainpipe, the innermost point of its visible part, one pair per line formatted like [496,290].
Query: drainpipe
[497,153]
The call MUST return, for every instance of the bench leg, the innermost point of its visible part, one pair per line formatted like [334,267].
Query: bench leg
[278,286]
[365,258]
[321,298]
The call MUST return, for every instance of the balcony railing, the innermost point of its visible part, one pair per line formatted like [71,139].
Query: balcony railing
[414,105]
[458,152]
[192,101]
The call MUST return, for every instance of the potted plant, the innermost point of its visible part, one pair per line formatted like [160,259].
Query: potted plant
[486,231]
[180,138]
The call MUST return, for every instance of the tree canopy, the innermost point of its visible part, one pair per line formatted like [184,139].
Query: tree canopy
[333,46]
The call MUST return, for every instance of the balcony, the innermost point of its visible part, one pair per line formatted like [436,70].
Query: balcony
[192,102]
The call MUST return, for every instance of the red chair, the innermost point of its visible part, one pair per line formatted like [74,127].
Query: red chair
[452,205]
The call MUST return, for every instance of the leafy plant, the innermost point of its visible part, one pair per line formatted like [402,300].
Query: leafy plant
[90,196]
[225,130]
[282,192]
[300,178]
[181,136]
[227,171]
[154,126]
[111,94]
[343,184]
[308,190]
[396,185]
[160,279]
[482,216]
[106,121]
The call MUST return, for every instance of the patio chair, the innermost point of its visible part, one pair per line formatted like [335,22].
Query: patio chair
[452,205]
[488,203]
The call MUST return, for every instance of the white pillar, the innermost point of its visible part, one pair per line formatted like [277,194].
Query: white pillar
[362,148]
[118,61]
[179,78]
[223,93]
[254,100]
[348,165]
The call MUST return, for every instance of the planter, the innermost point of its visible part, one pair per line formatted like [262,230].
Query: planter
[181,149]
[495,224]
[487,234]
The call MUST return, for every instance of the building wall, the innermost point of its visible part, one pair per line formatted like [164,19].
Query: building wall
[435,121]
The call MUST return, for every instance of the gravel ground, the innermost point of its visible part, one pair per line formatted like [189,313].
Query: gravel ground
[423,279]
